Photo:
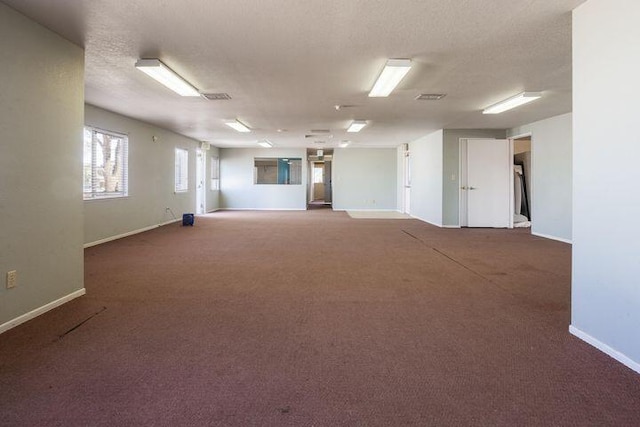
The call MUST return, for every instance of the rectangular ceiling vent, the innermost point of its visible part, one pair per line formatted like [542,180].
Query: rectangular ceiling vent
[319,142]
[216,96]
[318,135]
[430,96]
[320,131]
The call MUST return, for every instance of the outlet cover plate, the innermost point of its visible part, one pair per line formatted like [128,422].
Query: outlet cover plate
[12,279]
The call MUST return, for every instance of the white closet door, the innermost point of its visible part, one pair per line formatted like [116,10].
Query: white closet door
[489,175]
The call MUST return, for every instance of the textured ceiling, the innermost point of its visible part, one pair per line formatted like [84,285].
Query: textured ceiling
[287,63]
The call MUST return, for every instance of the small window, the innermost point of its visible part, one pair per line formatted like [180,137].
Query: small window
[105,164]
[318,173]
[285,171]
[182,170]
[215,173]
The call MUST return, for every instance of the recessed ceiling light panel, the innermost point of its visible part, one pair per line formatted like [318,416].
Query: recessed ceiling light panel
[513,102]
[155,69]
[237,125]
[391,75]
[357,125]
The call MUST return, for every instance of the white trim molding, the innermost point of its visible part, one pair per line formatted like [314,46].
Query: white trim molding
[370,210]
[262,209]
[424,220]
[547,236]
[129,233]
[620,357]
[40,310]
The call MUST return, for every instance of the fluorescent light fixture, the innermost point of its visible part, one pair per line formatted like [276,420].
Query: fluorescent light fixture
[391,75]
[266,143]
[357,125]
[165,75]
[513,102]
[237,125]
[344,144]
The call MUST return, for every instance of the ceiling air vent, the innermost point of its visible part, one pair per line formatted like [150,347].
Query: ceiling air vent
[216,96]
[430,96]
[321,135]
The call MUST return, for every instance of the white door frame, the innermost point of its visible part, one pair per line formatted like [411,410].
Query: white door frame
[201,187]
[406,182]
[529,178]
[310,182]
[463,218]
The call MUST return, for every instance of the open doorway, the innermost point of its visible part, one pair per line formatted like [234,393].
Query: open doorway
[320,182]
[522,180]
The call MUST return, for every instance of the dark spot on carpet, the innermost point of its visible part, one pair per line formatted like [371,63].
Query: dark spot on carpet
[81,323]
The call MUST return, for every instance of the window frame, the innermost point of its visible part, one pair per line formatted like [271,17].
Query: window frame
[94,193]
[215,173]
[279,165]
[181,171]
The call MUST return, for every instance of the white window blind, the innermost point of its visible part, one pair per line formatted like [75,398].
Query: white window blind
[215,173]
[182,170]
[105,168]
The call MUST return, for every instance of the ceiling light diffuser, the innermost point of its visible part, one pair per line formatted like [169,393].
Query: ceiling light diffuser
[345,144]
[391,75]
[357,125]
[266,143]
[513,102]
[165,75]
[237,125]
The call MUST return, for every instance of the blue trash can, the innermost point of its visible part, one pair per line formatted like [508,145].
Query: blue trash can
[187,219]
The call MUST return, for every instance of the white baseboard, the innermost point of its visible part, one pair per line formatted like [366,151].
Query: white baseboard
[547,236]
[427,221]
[451,226]
[631,364]
[41,310]
[263,209]
[372,210]
[129,233]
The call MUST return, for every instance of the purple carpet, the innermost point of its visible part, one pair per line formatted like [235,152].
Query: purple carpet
[315,319]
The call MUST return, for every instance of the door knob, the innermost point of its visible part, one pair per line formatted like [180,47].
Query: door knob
[472,188]
[463,188]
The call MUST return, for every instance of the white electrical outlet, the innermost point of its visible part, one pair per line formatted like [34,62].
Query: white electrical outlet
[12,279]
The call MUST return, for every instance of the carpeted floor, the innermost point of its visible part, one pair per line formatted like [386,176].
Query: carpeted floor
[315,319]
[377,215]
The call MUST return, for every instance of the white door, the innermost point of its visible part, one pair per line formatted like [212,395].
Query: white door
[200,182]
[488,183]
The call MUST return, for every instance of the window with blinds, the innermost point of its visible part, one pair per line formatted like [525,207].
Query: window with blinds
[215,173]
[182,170]
[105,173]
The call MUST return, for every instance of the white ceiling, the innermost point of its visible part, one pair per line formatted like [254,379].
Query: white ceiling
[287,63]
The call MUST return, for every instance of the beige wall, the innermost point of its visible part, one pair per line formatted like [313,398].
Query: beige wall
[551,175]
[41,114]
[151,179]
